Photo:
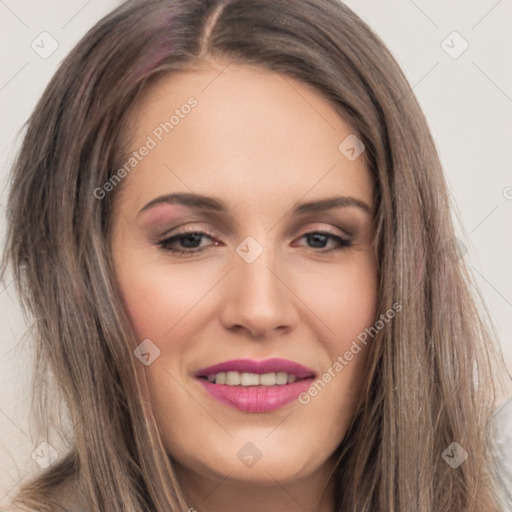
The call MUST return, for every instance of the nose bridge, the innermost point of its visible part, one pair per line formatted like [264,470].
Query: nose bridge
[257,298]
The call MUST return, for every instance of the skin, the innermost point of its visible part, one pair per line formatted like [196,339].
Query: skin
[260,143]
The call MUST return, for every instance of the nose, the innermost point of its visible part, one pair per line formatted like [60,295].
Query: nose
[258,298]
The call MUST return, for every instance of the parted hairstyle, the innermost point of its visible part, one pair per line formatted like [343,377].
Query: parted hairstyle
[430,370]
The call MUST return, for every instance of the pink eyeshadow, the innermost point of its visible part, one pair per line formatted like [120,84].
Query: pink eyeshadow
[161,213]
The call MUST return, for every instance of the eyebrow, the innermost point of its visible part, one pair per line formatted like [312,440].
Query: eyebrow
[202,202]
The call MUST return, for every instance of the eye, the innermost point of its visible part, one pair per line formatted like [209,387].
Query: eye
[320,238]
[188,242]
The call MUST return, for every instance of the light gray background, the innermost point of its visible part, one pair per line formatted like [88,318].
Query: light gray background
[467,100]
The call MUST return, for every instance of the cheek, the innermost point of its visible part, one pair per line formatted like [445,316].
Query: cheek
[346,300]
[150,299]
[151,309]
[138,318]
[157,298]
[348,306]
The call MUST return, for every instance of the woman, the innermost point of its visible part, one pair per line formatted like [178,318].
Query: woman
[231,225]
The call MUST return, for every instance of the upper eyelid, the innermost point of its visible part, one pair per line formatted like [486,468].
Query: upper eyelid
[186,228]
[227,228]
[184,231]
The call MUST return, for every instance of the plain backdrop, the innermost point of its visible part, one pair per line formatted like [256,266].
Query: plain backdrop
[457,58]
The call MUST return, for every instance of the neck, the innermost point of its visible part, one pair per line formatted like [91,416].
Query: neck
[226,494]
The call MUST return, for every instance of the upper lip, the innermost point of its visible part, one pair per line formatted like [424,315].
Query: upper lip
[260,367]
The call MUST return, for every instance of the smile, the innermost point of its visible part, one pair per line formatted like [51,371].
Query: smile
[255,386]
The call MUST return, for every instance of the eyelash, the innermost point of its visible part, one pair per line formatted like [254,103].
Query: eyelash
[165,243]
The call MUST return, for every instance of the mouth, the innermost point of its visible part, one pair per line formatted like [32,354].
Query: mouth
[255,386]
[250,372]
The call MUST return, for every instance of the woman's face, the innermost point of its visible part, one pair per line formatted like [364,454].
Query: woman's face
[254,156]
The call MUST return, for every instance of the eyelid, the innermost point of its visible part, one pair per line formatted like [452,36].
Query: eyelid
[336,231]
[182,230]
[317,226]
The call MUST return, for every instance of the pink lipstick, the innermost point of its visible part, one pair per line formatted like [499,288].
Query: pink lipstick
[256,386]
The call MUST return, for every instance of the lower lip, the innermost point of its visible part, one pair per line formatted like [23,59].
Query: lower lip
[257,398]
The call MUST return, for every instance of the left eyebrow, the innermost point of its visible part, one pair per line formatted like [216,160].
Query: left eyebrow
[195,201]
[202,202]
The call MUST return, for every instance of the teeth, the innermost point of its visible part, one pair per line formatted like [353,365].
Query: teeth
[252,379]
[233,378]
[249,379]
[268,379]
[281,378]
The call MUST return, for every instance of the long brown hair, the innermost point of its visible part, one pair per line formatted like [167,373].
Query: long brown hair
[430,370]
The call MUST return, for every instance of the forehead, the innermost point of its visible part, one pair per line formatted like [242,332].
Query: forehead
[251,132]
